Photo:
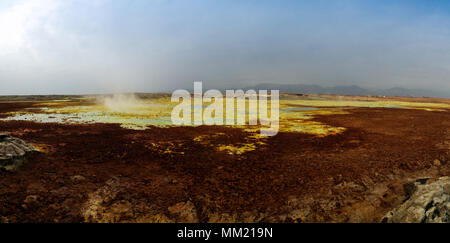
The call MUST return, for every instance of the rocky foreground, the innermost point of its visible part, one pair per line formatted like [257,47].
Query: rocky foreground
[425,203]
[13,152]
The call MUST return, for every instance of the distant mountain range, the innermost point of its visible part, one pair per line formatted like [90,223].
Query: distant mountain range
[348,90]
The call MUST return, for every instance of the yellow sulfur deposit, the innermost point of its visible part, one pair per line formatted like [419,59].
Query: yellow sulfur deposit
[140,113]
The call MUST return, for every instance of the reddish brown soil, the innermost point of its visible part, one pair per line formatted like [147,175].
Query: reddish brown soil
[355,176]
[13,106]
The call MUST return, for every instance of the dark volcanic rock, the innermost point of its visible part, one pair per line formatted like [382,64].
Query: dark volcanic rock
[13,152]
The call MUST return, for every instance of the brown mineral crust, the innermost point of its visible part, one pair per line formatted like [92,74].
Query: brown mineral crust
[6,107]
[354,176]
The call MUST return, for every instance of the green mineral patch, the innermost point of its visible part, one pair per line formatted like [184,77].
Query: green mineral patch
[129,114]
[252,140]
[166,147]
[207,137]
[296,113]
[369,103]
[300,121]
[237,148]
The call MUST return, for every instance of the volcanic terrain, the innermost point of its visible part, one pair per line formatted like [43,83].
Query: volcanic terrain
[335,159]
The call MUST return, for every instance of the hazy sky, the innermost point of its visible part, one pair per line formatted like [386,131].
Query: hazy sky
[91,46]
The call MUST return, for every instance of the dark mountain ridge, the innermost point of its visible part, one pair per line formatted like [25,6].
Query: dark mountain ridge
[348,90]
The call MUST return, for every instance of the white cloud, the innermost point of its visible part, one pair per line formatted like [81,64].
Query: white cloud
[21,19]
